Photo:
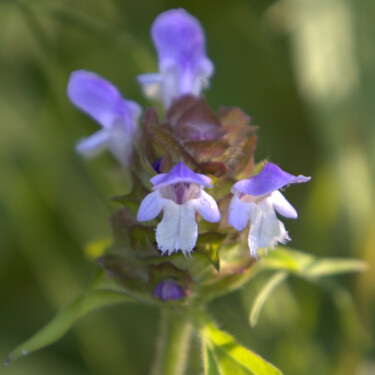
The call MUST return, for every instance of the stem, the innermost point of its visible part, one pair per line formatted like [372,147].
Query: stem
[172,344]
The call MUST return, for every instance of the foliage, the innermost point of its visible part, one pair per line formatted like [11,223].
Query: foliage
[50,205]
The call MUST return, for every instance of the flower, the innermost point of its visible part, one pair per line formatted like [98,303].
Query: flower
[180,195]
[257,198]
[183,65]
[168,290]
[104,103]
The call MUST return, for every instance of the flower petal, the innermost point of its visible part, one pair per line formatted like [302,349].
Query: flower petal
[94,144]
[95,96]
[180,43]
[239,212]
[271,178]
[265,229]
[207,207]
[282,206]
[151,84]
[178,36]
[151,206]
[104,103]
[121,143]
[178,229]
[180,173]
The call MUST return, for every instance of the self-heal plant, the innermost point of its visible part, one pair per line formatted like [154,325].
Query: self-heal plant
[172,159]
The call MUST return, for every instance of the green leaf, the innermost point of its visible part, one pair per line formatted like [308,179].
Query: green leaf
[208,244]
[96,248]
[64,320]
[229,357]
[263,295]
[308,266]
[230,278]
[209,361]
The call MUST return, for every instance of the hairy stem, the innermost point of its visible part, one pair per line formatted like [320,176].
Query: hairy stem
[172,344]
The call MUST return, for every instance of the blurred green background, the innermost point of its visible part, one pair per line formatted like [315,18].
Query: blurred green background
[303,69]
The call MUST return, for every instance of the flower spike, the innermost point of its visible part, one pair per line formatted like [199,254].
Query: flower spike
[179,194]
[183,65]
[257,199]
[104,103]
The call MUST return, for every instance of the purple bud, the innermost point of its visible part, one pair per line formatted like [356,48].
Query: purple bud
[156,165]
[168,290]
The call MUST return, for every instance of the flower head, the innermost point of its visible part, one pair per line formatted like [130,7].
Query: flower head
[183,65]
[257,198]
[179,194]
[104,103]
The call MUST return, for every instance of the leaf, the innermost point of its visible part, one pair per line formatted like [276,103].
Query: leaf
[209,362]
[331,266]
[125,268]
[229,279]
[215,168]
[64,320]
[170,143]
[192,119]
[206,150]
[96,248]
[244,166]
[208,244]
[230,357]
[263,295]
[308,266]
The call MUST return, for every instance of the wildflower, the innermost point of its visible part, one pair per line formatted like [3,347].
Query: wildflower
[257,198]
[183,65]
[105,104]
[168,290]
[179,194]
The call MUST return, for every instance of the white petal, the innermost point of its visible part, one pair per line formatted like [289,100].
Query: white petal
[187,82]
[151,206]
[169,86]
[282,206]
[93,144]
[178,229]
[265,229]
[207,207]
[121,143]
[239,212]
[255,229]
[151,85]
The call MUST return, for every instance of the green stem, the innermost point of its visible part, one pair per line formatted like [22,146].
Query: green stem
[172,344]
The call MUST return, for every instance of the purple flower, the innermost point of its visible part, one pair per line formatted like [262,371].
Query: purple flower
[168,290]
[104,103]
[257,198]
[179,194]
[183,65]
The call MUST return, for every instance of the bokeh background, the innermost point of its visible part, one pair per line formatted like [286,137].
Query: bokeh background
[305,72]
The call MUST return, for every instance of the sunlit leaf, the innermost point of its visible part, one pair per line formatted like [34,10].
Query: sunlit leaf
[230,357]
[95,249]
[263,295]
[64,320]
[308,266]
